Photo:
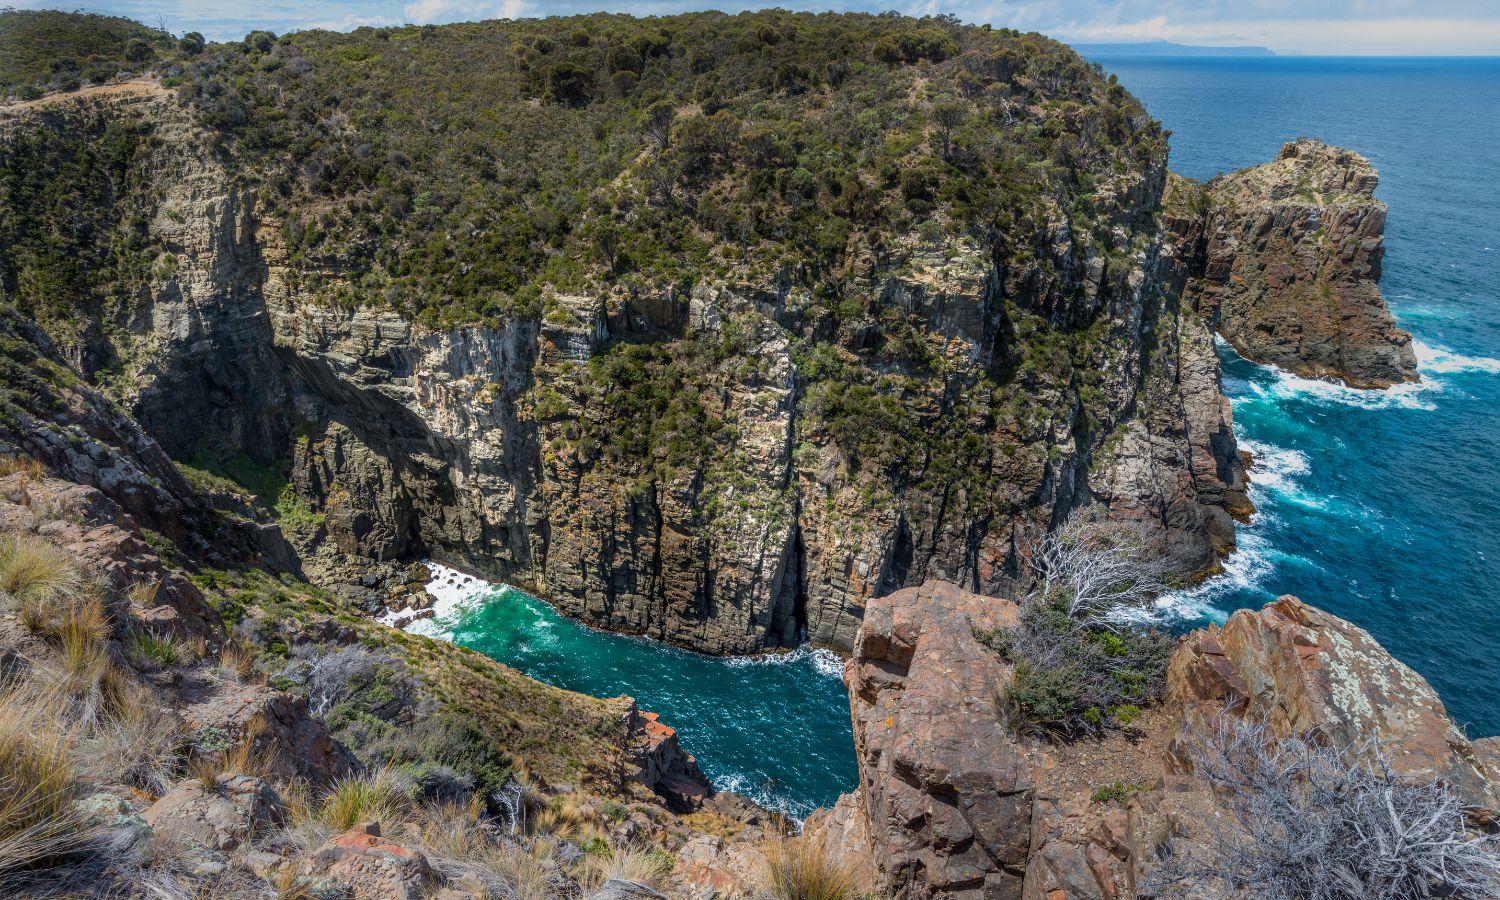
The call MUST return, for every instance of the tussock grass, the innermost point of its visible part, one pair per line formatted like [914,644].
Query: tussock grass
[237,662]
[452,828]
[379,796]
[626,863]
[149,651]
[39,825]
[139,745]
[805,868]
[38,574]
[11,464]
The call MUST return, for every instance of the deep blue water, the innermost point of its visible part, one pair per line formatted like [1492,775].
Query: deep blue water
[1378,507]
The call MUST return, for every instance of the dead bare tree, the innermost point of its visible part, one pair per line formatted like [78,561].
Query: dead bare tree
[1097,570]
[1309,821]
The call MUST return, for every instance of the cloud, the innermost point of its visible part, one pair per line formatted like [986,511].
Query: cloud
[421,12]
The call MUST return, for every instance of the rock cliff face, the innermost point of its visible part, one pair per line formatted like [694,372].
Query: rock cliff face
[501,448]
[951,804]
[1290,265]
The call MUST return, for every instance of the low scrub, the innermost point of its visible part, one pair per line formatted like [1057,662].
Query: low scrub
[1072,680]
[1309,821]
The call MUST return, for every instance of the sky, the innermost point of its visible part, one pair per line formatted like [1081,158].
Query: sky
[1372,27]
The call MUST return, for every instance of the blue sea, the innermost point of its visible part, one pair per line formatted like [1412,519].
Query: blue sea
[1375,506]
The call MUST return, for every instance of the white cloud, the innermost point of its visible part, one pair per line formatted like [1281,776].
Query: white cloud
[422,12]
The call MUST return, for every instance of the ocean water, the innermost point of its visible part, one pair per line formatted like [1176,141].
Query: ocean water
[773,728]
[1376,506]
[1379,507]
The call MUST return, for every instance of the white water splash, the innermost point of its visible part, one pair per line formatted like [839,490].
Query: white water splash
[762,795]
[824,662]
[1286,386]
[1439,361]
[454,593]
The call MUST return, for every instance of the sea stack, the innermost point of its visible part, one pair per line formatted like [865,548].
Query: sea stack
[1290,256]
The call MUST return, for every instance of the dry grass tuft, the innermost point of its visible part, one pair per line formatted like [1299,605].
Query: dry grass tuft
[39,825]
[139,745]
[37,575]
[11,464]
[379,796]
[804,868]
[626,863]
[452,829]
[237,662]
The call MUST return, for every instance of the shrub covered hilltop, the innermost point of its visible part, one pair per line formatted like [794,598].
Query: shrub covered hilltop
[734,331]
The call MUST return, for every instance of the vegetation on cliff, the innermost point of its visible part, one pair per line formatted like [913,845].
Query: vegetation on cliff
[43,50]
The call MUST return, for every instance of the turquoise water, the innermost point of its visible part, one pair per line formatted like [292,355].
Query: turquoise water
[1377,507]
[774,728]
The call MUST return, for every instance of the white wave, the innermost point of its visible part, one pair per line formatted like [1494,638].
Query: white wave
[762,795]
[1246,569]
[824,662]
[1286,386]
[1275,470]
[1440,361]
[454,593]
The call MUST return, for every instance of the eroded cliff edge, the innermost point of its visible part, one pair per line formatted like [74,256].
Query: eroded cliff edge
[1288,265]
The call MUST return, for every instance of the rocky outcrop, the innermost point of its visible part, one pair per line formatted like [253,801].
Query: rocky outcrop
[1290,266]
[658,761]
[1309,674]
[946,791]
[952,804]
[95,531]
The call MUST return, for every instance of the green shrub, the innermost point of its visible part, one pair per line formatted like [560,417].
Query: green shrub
[1070,679]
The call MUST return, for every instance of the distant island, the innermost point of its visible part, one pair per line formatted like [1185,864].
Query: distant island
[1167,48]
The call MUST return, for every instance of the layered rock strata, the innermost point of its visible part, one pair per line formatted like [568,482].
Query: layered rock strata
[951,804]
[1291,256]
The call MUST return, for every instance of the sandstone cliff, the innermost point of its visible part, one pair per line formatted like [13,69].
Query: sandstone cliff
[951,804]
[1289,270]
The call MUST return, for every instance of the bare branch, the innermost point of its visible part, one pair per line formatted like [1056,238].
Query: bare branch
[1315,822]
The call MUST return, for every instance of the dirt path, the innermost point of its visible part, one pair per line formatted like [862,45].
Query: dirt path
[115,89]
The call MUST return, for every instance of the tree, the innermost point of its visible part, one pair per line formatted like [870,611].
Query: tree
[1097,570]
[657,120]
[191,43]
[948,115]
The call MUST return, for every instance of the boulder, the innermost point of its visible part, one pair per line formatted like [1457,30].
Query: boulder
[622,889]
[224,817]
[373,868]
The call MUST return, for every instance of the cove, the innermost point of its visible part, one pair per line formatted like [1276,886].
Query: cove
[773,728]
